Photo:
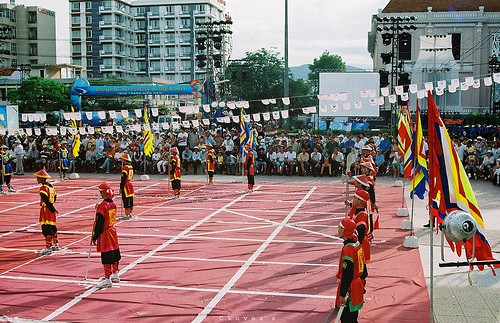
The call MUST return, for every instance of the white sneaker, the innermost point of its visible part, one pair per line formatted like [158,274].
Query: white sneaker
[11,190]
[44,252]
[55,247]
[106,283]
[115,278]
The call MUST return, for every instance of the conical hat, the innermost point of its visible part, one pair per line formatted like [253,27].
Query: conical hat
[126,157]
[42,174]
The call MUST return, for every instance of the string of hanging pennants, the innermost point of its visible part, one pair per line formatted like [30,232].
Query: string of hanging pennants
[439,87]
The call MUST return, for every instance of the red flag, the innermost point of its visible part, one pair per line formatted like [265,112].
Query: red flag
[449,186]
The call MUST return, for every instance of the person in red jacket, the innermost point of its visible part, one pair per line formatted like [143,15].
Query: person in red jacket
[105,238]
[351,274]
[48,213]
[249,167]
[210,163]
[175,171]
[126,187]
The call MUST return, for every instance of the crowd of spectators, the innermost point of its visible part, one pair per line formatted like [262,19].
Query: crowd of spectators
[292,154]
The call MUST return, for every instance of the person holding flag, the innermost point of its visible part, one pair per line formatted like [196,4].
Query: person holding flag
[63,159]
[126,187]
[249,166]
[175,171]
[148,135]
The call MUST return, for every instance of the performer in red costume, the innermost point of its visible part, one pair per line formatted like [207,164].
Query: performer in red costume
[48,213]
[364,226]
[126,187]
[210,163]
[249,167]
[352,273]
[175,171]
[105,238]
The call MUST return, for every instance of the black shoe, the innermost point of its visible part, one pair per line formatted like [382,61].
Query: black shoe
[428,225]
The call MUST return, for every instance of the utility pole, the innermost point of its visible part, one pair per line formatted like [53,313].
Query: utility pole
[286,81]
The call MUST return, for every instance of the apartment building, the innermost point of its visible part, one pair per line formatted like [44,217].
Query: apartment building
[140,38]
[27,36]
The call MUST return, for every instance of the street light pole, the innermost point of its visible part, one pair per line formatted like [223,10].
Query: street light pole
[286,82]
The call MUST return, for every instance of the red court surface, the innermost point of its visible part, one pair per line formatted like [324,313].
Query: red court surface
[216,254]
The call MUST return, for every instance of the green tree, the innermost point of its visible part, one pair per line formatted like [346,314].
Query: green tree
[38,94]
[259,75]
[326,62]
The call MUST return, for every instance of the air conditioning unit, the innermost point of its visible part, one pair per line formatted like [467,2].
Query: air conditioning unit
[181,13]
[102,52]
[181,68]
[181,40]
[149,13]
[151,69]
[101,23]
[181,54]
[150,27]
[166,68]
[101,37]
[195,12]
[150,41]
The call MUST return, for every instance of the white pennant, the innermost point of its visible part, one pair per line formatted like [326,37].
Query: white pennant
[452,89]
[66,115]
[276,115]
[119,129]
[82,130]
[392,98]
[236,119]
[112,114]
[29,131]
[421,94]
[469,80]
[273,101]
[246,117]
[373,102]
[43,116]
[284,114]
[222,104]
[476,84]
[206,108]
[88,114]
[346,106]
[215,104]
[372,93]
[323,108]
[91,130]
[124,114]
[165,125]
[227,119]
[335,107]
[256,117]
[384,91]
[266,116]
[399,89]
[138,113]
[24,117]
[496,77]
[312,109]
[231,105]
[381,100]
[265,102]
[429,86]
[305,110]
[464,86]
[63,131]
[404,96]
[286,101]
[363,93]
[154,112]
[206,122]
[455,82]
[439,91]
[358,105]
[101,114]
[413,88]
[488,81]
[38,131]
[175,125]
[442,84]
[186,124]
[343,96]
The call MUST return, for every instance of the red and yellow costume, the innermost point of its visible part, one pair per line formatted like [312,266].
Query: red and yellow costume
[210,164]
[104,234]
[48,213]
[363,222]
[126,187]
[175,171]
[249,166]
[352,273]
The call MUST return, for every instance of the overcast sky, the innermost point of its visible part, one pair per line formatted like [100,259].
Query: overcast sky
[339,26]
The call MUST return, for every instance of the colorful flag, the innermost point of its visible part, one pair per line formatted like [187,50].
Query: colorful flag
[75,145]
[419,173]
[405,140]
[449,188]
[245,133]
[148,135]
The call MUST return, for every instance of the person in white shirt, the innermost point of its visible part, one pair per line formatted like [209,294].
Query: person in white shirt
[19,155]
[196,159]
[280,160]
[228,143]
[291,160]
[155,158]
[182,139]
[460,148]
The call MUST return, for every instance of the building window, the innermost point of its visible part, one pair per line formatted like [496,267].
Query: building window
[184,9]
[89,48]
[185,23]
[169,10]
[75,20]
[77,49]
[32,19]
[88,5]
[88,20]
[75,6]
[88,33]
[76,33]
[89,62]
[456,48]
[200,8]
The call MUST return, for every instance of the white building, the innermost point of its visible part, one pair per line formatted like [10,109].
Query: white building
[140,38]
[433,41]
